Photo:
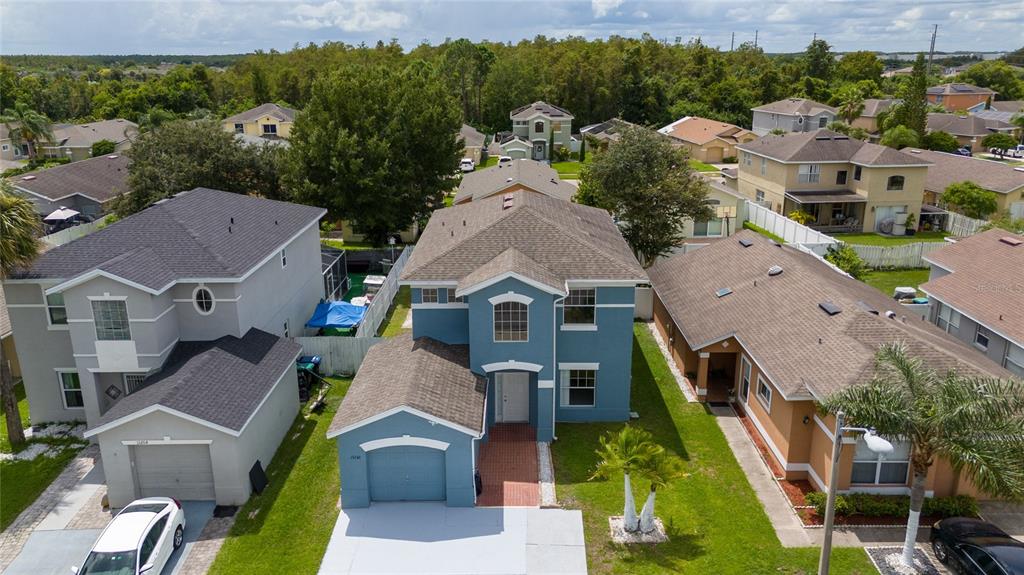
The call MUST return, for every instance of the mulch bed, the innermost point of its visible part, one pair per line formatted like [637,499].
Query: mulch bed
[811,518]
[762,447]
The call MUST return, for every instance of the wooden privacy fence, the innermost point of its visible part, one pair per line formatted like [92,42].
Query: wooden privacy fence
[785,228]
[378,308]
[962,226]
[339,355]
[901,256]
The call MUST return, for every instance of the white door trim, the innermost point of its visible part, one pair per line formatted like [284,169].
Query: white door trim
[513,389]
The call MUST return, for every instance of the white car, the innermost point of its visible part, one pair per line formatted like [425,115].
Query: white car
[140,539]
[467,165]
[504,160]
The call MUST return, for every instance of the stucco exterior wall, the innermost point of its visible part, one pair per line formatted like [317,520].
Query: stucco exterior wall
[255,127]
[765,122]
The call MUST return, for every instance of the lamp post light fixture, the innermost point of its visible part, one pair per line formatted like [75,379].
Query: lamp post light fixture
[876,444]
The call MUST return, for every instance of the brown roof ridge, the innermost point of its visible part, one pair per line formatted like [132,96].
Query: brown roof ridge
[505,215]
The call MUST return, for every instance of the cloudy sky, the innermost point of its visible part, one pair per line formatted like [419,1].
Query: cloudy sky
[228,26]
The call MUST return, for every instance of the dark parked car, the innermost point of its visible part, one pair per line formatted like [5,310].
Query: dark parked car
[964,151]
[974,547]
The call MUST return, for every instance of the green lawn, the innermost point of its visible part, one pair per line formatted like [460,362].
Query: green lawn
[491,161]
[569,170]
[873,239]
[701,166]
[887,281]
[286,529]
[19,392]
[715,521]
[354,246]
[763,232]
[392,325]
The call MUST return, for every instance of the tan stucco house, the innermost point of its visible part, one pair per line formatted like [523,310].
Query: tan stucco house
[870,115]
[947,169]
[267,120]
[775,362]
[707,140]
[528,175]
[844,183]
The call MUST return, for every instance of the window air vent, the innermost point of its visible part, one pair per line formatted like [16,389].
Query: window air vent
[746,243]
[723,292]
[1011,241]
[830,308]
[774,271]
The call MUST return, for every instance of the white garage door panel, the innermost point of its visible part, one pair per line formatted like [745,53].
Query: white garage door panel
[180,471]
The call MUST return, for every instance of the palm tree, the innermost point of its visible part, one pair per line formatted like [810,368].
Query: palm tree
[660,469]
[976,424]
[625,452]
[851,106]
[19,244]
[27,125]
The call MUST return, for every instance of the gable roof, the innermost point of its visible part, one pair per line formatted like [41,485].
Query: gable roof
[567,240]
[1011,106]
[535,175]
[203,233]
[221,382]
[609,130]
[949,169]
[803,350]
[543,108]
[795,106]
[471,137]
[985,280]
[85,135]
[972,125]
[702,130]
[875,106]
[100,179]
[423,374]
[273,110]
[954,88]
[827,146]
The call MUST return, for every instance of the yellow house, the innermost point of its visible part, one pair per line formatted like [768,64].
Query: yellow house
[873,108]
[1006,181]
[843,183]
[267,120]
[707,140]
[761,341]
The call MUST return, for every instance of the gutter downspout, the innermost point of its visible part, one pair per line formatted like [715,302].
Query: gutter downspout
[554,358]
[476,441]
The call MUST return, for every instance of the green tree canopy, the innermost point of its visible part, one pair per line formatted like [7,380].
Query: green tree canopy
[649,185]
[27,125]
[997,76]
[940,142]
[912,112]
[1000,141]
[847,259]
[971,199]
[861,65]
[103,147]
[899,137]
[819,60]
[380,171]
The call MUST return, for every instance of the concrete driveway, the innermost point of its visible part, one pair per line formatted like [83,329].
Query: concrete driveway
[432,538]
[54,551]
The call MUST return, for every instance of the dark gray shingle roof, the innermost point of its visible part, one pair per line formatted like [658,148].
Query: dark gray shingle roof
[827,146]
[203,233]
[958,125]
[958,88]
[535,175]
[947,169]
[279,112]
[524,112]
[794,106]
[221,381]
[100,179]
[423,374]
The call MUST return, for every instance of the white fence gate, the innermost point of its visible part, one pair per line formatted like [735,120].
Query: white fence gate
[785,228]
[902,256]
[339,355]
[70,234]
[378,309]
[962,226]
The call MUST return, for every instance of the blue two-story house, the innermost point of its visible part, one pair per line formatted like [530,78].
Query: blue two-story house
[522,310]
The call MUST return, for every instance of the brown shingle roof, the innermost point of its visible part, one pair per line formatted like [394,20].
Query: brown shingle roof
[875,106]
[965,125]
[423,374]
[570,241]
[471,137]
[101,179]
[794,106]
[273,110]
[949,169]
[85,135]
[702,130]
[535,175]
[779,323]
[986,283]
[827,146]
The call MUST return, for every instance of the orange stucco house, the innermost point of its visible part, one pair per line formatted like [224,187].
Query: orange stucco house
[960,97]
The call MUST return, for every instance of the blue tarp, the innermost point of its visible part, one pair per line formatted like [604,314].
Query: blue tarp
[336,314]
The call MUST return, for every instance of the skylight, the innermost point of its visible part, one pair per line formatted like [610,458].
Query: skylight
[830,308]
[723,292]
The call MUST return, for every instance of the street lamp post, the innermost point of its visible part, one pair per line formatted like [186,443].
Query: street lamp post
[877,445]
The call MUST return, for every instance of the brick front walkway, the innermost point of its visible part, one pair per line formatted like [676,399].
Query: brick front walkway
[14,537]
[508,467]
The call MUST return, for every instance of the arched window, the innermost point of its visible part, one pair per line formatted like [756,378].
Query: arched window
[511,321]
[202,298]
[894,184]
[538,127]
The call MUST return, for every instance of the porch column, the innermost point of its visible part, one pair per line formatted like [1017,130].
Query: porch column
[702,374]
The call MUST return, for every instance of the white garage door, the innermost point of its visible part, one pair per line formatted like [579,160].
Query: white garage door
[179,471]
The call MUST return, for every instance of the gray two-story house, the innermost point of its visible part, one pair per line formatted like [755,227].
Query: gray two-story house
[168,334]
[792,115]
[522,314]
[538,129]
[976,290]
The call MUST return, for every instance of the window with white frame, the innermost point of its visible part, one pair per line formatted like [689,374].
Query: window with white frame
[745,368]
[947,318]
[56,312]
[538,126]
[856,173]
[841,178]
[1014,360]
[870,468]
[578,387]
[981,338]
[284,259]
[203,300]
[764,393]
[133,382]
[580,307]
[764,166]
[511,321]
[239,128]
[759,195]
[70,389]
[894,184]
[428,295]
[287,330]
[747,158]
[822,121]
[269,128]
[809,173]
[111,318]
[452,298]
[709,229]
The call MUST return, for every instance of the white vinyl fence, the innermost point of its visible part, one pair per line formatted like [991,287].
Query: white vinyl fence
[785,228]
[962,226]
[339,355]
[378,309]
[70,234]
[900,256]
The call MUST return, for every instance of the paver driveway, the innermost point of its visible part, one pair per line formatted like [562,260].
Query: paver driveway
[432,538]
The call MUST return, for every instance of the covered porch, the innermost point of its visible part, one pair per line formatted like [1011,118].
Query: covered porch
[831,211]
[713,375]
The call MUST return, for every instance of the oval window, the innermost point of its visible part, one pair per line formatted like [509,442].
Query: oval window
[203,299]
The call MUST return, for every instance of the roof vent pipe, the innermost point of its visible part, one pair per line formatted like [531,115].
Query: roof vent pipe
[890,314]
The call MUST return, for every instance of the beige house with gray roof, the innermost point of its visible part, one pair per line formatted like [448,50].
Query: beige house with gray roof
[266,120]
[843,183]
[792,115]
[527,175]
[947,169]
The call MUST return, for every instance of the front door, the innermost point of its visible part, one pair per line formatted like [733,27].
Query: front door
[538,151]
[513,389]
[744,378]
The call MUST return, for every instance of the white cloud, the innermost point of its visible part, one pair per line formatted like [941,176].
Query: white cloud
[641,14]
[781,14]
[349,16]
[601,8]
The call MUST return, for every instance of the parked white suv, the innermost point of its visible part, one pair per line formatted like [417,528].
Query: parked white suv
[466,165]
[140,539]
[502,160]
